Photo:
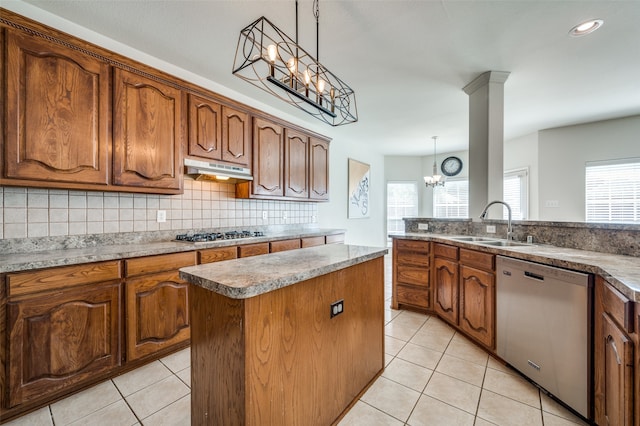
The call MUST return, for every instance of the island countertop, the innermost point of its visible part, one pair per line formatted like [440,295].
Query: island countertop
[251,276]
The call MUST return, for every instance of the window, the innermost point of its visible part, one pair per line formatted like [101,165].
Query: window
[613,191]
[452,199]
[515,190]
[402,201]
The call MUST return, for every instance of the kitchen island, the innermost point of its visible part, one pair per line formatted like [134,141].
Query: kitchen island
[285,338]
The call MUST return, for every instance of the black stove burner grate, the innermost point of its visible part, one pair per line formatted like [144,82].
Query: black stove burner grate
[213,236]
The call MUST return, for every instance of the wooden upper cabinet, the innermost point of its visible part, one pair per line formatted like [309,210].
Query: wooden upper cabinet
[218,132]
[57,110]
[268,150]
[318,169]
[148,133]
[205,128]
[236,137]
[296,164]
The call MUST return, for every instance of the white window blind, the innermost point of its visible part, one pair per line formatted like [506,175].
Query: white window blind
[402,201]
[613,191]
[515,193]
[452,199]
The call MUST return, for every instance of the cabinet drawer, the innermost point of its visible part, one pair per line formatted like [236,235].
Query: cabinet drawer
[312,241]
[284,245]
[417,296]
[253,249]
[412,275]
[446,251]
[217,254]
[334,239]
[477,259]
[61,278]
[413,245]
[160,263]
[617,305]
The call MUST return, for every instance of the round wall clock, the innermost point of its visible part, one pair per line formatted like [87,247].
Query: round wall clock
[451,166]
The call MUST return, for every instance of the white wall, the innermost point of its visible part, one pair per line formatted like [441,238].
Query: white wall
[562,155]
[367,231]
[521,153]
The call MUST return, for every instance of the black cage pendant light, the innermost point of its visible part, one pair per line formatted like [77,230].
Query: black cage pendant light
[269,59]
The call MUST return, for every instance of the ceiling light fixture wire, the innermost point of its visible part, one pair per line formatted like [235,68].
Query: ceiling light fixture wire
[269,59]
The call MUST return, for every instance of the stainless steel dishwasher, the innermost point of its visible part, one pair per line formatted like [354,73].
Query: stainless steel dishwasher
[543,327]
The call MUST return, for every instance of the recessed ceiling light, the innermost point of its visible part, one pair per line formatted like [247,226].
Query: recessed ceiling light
[586,27]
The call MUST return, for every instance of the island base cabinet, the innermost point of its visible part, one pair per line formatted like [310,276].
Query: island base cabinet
[58,340]
[274,360]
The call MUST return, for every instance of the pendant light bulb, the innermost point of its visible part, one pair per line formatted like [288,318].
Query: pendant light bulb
[321,85]
[272,52]
[292,64]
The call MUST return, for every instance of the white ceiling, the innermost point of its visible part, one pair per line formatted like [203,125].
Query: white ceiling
[406,60]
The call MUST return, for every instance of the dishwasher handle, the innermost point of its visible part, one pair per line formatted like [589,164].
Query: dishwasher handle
[534,276]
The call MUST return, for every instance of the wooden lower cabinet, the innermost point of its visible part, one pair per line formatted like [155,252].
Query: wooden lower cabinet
[253,249]
[157,309]
[445,289]
[60,339]
[411,281]
[312,241]
[284,245]
[615,367]
[477,305]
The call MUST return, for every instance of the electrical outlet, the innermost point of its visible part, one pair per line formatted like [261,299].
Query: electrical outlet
[161,216]
[264,215]
[423,226]
[491,229]
[552,203]
[337,308]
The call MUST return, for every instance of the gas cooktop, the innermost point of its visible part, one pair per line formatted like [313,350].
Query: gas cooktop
[203,237]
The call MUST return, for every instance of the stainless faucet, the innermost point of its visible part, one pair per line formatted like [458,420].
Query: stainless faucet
[509,229]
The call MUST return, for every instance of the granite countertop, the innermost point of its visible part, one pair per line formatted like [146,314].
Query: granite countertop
[251,276]
[623,272]
[115,250]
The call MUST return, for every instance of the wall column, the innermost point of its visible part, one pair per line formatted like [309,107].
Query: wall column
[486,141]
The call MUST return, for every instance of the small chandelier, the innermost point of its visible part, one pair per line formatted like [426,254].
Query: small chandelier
[269,59]
[436,179]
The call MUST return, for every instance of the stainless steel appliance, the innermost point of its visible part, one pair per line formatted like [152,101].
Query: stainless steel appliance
[543,327]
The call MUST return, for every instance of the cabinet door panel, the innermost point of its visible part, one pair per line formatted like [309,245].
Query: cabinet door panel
[477,301]
[319,169]
[62,339]
[268,145]
[57,113]
[236,137]
[446,289]
[147,133]
[618,374]
[205,128]
[296,166]
[157,313]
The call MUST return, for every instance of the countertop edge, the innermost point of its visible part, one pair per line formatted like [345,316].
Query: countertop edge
[264,283]
[15,262]
[604,264]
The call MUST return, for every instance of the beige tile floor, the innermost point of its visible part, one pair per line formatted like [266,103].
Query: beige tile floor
[433,376]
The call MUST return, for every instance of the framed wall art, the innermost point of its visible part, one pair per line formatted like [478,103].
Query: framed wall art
[359,181]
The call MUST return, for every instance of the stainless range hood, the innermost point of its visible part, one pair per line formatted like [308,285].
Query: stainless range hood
[216,171]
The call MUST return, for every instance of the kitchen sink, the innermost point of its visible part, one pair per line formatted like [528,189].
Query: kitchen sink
[472,239]
[503,243]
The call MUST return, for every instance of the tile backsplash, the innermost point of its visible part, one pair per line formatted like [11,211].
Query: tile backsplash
[35,212]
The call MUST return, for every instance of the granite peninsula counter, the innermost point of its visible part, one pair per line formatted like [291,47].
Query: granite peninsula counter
[285,338]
